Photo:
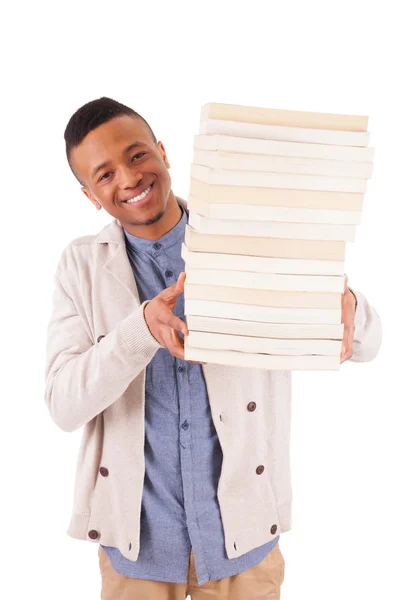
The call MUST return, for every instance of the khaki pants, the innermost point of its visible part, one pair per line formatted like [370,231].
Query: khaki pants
[262,582]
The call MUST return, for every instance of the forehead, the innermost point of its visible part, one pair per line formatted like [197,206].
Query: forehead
[108,141]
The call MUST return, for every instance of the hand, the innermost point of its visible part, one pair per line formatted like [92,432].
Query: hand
[161,321]
[348,315]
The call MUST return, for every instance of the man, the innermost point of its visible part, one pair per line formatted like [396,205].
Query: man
[170,516]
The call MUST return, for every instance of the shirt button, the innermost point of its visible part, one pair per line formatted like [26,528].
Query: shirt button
[274,529]
[100,338]
[93,534]
[260,469]
[185,425]
[156,246]
[168,273]
[181,369]
[251,406]
[104,471]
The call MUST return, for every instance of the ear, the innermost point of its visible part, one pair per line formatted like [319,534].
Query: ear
[92,199]
[163,153]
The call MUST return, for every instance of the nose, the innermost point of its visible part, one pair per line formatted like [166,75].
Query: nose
[129,177]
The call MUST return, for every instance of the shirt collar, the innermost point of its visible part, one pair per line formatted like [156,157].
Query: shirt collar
[170,238]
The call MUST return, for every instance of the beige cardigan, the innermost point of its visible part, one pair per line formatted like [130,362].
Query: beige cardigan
[98,382]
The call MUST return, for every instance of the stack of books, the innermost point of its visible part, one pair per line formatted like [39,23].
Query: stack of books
[274,197]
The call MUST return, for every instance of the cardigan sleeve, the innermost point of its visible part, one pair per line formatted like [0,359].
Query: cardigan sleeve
[368,330]
[83,378]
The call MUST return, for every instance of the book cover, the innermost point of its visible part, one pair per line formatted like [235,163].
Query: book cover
[286,214]
[277,180]
[291,118]
[263,361]
[257,345]
[230,143]
[265,246]
[284,134]
[299,331]
[238,161]
[264,196]
[303,231]
[263,314]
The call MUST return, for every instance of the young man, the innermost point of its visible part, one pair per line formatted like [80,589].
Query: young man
[170,516]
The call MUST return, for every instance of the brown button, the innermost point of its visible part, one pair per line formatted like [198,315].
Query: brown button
[260,469]
[100,338]
[274,529]
[251,406]
[93,534]
[104,471]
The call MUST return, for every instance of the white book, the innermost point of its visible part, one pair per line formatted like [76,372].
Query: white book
[281,133]
[302,231]
[239,161]
[277,180]
[278,298]
[229,143]
[264,314]
[272,330]
[263,361]
[258,345]
[260,264]
[285,117]
[265,281]
[288,214]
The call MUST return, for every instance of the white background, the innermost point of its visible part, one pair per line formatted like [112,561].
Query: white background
[166,60]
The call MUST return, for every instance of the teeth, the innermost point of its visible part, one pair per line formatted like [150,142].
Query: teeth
[141,196]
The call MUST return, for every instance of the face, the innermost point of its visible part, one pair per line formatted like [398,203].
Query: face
[126,172]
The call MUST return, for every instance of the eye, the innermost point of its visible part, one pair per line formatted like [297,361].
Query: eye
[105,175]
[139,155]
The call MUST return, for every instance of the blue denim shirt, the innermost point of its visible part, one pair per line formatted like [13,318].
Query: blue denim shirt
[183,456]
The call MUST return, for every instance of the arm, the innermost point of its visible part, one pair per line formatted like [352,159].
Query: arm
[82,378]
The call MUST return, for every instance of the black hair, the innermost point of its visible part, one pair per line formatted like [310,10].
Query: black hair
[92,115]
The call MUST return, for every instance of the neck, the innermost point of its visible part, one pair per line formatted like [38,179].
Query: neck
[165,223]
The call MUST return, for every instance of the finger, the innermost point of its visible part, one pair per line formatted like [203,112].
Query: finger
[346,279]
[174,322]
[175,345]
[347,344]
[174,290]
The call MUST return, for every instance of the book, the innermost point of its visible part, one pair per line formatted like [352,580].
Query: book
[281,133]
[265,246]
[302,231]
[291,118]
[245,212]
[264,314]
[264,196]
[269,281]
[239,161]
[230,143]
[258,345]
[277,298]
[260,264]
[277,180]
[269,330]
[262,361]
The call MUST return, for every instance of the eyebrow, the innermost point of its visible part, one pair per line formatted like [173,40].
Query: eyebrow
[106,163]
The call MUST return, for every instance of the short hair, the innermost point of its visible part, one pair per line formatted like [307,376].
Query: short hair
[90,116]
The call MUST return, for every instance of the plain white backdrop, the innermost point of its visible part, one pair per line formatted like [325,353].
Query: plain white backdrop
[166,60]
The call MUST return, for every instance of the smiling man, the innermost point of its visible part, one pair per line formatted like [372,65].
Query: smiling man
[183,474]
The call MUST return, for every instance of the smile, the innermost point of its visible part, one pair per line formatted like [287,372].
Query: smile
[141,196]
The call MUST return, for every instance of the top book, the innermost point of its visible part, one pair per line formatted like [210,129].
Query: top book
[285,118]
